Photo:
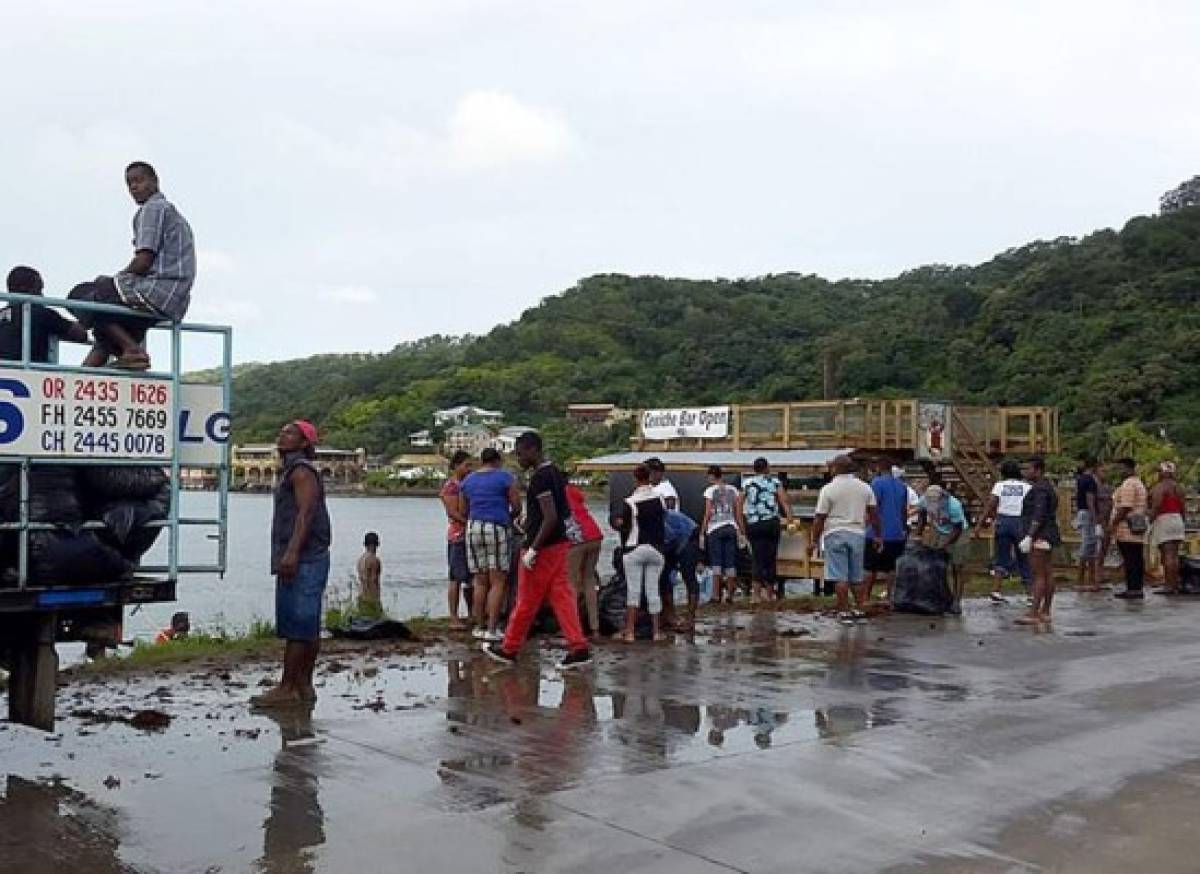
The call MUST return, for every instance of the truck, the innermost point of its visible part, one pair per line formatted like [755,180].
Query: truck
[65,418]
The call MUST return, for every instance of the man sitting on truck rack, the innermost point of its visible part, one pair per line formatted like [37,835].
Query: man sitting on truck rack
[45,323]
[157,283]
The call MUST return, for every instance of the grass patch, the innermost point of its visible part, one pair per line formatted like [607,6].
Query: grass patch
[259,641]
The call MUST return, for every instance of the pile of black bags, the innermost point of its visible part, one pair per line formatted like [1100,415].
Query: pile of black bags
[921,585]
[124,499]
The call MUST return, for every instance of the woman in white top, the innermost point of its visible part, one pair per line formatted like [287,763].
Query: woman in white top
[1004,505]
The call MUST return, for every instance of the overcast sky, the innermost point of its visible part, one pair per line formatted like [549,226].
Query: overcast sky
[360,173]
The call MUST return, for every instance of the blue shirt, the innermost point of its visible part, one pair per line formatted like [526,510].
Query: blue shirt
[487,495]
[951,516]
[891,500]
[761,497]
[679,528]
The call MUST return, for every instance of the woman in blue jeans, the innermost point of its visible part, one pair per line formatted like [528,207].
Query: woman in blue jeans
[1004,506]
[721,531]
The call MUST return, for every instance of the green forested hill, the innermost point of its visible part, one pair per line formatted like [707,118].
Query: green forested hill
[1107,327]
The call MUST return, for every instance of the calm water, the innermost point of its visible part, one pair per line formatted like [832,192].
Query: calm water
[413,551]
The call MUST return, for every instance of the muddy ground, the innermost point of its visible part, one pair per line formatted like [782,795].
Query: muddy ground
[768,742]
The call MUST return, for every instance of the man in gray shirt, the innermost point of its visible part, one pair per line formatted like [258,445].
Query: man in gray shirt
[157,282]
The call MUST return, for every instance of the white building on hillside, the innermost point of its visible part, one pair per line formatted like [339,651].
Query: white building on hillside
[467,415]
[506,440]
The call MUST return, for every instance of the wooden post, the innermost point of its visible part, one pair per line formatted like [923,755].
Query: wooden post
[787,426]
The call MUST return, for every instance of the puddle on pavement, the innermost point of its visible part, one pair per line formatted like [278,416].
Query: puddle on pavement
[466,733]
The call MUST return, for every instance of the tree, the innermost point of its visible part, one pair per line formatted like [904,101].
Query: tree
[1183,196]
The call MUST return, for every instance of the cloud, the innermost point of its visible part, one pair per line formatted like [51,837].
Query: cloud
[223,310]
[214,261]
[485,130]
[491,128]
[93,151]
[351,294]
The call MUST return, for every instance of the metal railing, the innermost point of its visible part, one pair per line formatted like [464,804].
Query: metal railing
[174,521]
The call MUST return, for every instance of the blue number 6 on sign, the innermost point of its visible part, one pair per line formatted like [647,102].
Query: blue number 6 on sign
[11,418]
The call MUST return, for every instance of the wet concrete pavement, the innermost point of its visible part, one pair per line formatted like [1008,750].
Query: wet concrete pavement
[769,743]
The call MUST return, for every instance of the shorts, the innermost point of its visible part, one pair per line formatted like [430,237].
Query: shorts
[456,558]
[844,553]
[883,560]
[489,547]
[298,601]
[722,548]
[104,290]
[1089,543]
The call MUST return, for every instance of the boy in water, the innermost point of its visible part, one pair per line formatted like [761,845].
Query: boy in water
[370,571]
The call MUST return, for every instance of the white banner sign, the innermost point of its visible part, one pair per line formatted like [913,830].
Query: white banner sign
[706,422]
[203,425]
[52,413]
[49,413]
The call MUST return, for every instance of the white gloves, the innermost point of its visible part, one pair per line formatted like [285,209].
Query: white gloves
[1098,531]
[528,558]
[1026,544]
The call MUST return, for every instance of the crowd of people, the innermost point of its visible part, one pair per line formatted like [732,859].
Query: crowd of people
[512,556]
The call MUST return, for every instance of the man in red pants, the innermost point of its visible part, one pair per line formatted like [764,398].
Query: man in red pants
[543,571]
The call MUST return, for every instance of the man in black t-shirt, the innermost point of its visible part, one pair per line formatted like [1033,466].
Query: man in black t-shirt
[543,569]
[45,322]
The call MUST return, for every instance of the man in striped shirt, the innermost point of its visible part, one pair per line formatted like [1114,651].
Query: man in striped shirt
[157,283]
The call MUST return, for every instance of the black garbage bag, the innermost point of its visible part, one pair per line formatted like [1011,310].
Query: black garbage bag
[374,629]
[127,521]
[127,528]
[611,599]
[921,585]
[53,495]
[65,558]
[1189,575]
[104,483]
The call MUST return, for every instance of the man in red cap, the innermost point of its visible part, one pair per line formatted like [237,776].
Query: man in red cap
[300,539]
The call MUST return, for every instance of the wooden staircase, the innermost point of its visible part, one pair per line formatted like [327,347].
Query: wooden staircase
[969,472]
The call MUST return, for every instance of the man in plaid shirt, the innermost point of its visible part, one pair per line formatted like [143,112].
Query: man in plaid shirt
[157,282]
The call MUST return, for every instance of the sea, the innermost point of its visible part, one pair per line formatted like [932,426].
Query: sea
[412,532]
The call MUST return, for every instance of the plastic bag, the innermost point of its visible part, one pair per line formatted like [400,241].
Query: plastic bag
[612,605]
[374,629]
[102,483]
[64,558]
[1189,575]
[53,496]
[921,585]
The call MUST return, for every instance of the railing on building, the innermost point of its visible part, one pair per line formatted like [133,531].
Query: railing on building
[882,424]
